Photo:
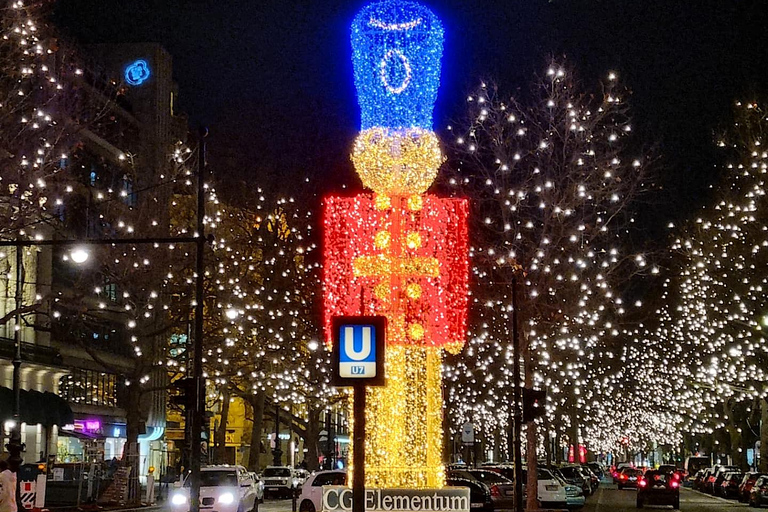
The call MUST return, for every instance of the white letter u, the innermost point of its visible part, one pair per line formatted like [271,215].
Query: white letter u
[349,343]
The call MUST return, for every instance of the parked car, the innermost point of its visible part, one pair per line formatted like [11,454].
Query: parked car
[694,481]
[502,488]
[591,477]
[758,496]
[729,488]
[311,497]
[227,488]
[574,476]
[259,485]
[746,485]
[279,480]
[702,482]
[299,477]
[715,480]
[658,488]
[628,477]
[597,469]
[479,494]
[554,492]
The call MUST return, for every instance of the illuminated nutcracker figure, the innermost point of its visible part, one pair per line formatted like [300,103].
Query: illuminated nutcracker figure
[400,252]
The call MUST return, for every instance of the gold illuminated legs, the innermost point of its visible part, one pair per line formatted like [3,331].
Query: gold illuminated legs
[404,422]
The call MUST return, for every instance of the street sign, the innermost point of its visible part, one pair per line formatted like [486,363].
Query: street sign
[468,433]
[358,350]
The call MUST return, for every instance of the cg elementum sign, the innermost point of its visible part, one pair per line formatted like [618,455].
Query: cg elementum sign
[358,350]
[454,499]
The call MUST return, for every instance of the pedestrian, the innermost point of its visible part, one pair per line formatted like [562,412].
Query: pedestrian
[7,488]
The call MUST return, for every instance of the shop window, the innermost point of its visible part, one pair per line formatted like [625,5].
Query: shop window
[89,387]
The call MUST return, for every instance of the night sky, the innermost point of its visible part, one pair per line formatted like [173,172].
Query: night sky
[273,78]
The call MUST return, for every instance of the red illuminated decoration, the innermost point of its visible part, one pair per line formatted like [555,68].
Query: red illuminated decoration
[403,258]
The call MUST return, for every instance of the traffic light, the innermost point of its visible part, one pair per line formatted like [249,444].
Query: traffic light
[185,393]
[534,401]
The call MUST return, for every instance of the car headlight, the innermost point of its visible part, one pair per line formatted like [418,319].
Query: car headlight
[179,499]
[227,498]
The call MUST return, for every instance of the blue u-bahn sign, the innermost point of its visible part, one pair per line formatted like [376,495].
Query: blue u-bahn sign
[358,350]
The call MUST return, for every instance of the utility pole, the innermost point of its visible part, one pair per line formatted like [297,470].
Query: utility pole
[197,362]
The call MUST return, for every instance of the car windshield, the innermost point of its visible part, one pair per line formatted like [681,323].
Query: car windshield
[630,472]
[277,472]
[215,479]
[570,472]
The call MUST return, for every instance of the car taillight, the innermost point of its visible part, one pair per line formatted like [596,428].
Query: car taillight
[615,474]
[623,476]
[495,491]
[676,476]
[642,482]
[674,484]
[711,479]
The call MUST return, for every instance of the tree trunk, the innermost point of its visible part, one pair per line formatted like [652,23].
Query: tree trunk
[532,484]
[257,403]
[763,435]
[132,405]
[573,433]
[738,458]
[312,438]
[221,433]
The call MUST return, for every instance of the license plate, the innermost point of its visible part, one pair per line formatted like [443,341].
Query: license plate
[509,493]
[551,487]
[475,505]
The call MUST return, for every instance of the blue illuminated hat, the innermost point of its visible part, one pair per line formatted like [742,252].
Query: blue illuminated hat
[396,51]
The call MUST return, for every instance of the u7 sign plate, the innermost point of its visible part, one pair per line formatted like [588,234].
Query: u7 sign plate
[358,350]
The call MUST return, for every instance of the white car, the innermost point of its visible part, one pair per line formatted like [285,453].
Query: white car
[280,480]
[310,499]
[259,485]
[222,489]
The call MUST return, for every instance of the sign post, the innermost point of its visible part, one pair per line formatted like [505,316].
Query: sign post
[358,361]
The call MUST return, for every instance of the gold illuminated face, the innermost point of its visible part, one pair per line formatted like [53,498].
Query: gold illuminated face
[397,162]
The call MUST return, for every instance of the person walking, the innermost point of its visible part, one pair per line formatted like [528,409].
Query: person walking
[7,488]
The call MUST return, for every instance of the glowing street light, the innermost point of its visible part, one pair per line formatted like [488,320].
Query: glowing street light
[232,313]
[79,255]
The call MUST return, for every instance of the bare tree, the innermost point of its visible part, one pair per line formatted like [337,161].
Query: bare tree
[551,187]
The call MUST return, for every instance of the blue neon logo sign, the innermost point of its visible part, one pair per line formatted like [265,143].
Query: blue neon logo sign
[357,351]
[137,73]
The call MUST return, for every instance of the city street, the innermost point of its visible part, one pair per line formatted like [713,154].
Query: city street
[607,499]
[610,499]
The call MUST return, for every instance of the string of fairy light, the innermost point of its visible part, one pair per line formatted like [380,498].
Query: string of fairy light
[562,218]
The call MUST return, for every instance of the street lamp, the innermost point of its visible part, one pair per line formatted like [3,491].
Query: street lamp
[79,255]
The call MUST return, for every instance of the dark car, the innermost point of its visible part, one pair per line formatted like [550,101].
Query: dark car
[716,479]
[591,477]
[658,488]
[502,488]
[729,488]
[758,496]
[746,485]
[574,476]
[597,469]
[479,493]
[628,477]
[701,483]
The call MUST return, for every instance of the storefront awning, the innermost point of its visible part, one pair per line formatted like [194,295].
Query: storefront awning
[36,407]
